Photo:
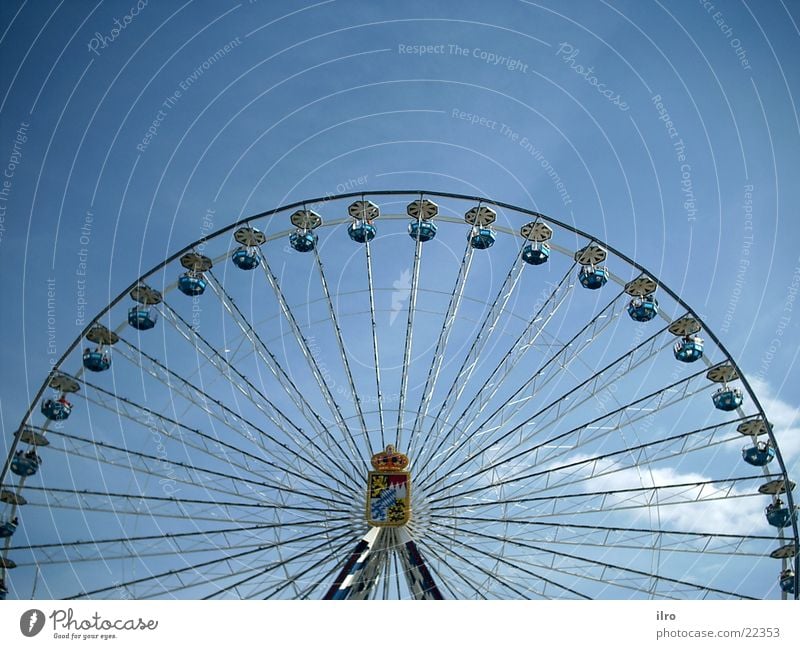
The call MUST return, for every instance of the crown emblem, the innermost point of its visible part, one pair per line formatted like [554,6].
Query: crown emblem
[389,460]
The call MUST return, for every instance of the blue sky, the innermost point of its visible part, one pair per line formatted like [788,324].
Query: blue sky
[669,130]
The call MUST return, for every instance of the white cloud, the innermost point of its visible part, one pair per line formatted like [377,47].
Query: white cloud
[785,419]
[732,515]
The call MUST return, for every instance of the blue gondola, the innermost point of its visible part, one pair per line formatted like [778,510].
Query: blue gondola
[787,581]
[142,317]
[192,283]
[425,230]
[593,277]
[481,238]
[643,309]
[245,258]
[778,515]
[3,590]
[25,464]
[689,349]
[361,231]
[759,455]
[56,409]
[727,398]
[303,240]
[536,253]
[8,528]
[96,360]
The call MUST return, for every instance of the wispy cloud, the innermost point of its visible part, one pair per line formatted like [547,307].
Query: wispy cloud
[679,508]
[402,290]
[734,514]
[785,419]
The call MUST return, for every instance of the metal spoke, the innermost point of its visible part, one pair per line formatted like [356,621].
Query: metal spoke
[210,446]
[342,350]
[437,360]
[627,537]
[179,571]
[167,573]
[308,412]
[524,342]
[182,543]
[470,362]
[548,371]
[313,567]
[274,414]
[606,564]
[517,567]
[164,506]
[312,361]
[375,350]
[599,465]
[191,394]
[614,499]
[179,589]
[412,304]
[556,411]
[561,570]
[169,472]
[451,588]
[148,591]
[280,564]
[492,576]
[130,553]
[321,582]
[443,562]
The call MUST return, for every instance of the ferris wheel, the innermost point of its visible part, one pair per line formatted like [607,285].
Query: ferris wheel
[396,395]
